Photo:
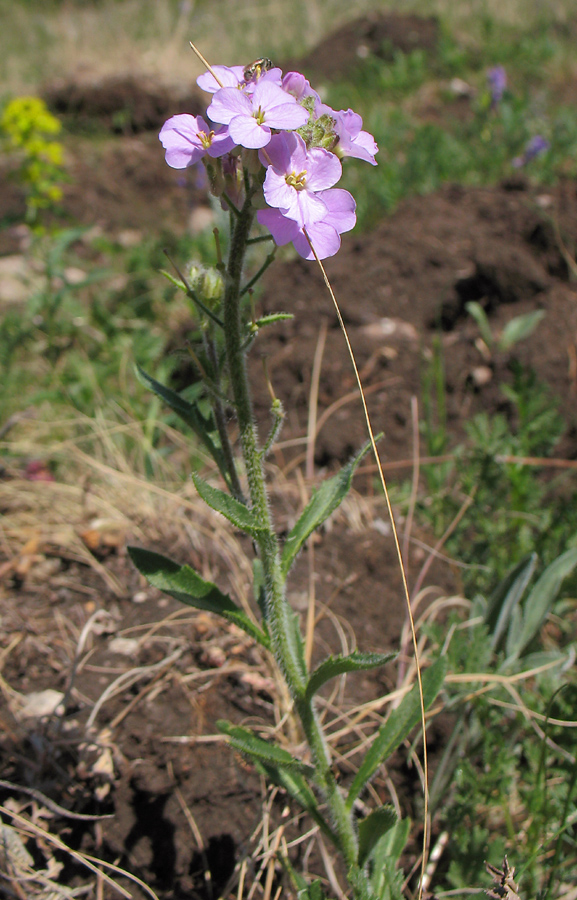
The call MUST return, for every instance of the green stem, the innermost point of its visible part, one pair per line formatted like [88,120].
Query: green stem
[278,612]
[285,638]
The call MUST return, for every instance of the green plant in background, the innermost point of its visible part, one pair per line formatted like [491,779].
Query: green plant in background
[28,129]
[507,774]
[518,329]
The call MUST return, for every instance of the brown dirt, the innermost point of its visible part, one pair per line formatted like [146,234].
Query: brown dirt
[399,287]
[377,34]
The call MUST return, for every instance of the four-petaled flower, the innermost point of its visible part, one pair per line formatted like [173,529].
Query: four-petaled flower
[187,139]
[324,234]
[295,176]
[251,118]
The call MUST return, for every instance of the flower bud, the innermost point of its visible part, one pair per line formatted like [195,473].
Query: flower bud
[207,283]
[215,176]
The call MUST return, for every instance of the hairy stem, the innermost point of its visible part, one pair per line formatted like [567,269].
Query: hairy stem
[285,635]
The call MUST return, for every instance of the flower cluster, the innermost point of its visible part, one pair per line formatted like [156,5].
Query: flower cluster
[277,131]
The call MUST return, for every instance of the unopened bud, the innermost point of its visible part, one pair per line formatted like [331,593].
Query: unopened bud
[215,176]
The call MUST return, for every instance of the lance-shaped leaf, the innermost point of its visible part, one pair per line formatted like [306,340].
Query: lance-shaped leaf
[297,788]
[323,502]
[519,328]
[261,751]
[186,585]
[372,829]
[339,665]
[236,512]
[272,318]
[505,598]
[398,725]
[541,599]
[190,413]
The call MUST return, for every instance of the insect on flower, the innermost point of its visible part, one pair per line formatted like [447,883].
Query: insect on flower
[257,68]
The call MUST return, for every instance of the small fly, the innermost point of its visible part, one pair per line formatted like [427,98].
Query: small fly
[256,68]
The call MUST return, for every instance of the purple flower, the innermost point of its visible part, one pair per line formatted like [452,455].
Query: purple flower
[251,118]
[497,79]
[533,148]
[352,141]
[187,139]
[296,84]
[230,76]
[324,234]
[295,176]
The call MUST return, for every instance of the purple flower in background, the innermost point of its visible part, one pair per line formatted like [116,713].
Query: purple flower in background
[251,118]
[324,235]
[187,139]
[534,147]
[352,140]
[497,79]
[295,176]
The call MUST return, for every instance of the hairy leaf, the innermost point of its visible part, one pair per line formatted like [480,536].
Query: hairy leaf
[372,829]
[186,585]
[339,665]
[323,502]
[399,724]
[271,318]
[236,512]
[248,743]
[190,413]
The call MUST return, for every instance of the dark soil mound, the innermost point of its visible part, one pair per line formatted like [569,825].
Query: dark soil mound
[378,34]
[119,105]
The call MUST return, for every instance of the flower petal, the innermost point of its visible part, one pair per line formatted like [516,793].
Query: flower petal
[324,239]
[323,169]
[246,131]
[179,137]
[230,76]
[228,103]
[341,209]
[282,229]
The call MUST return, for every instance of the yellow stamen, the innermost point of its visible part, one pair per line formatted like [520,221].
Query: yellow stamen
[298,182]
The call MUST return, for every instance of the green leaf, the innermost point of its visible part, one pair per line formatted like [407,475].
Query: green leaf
[541,599]
[505,597]
[386,880]
[480,316]
[519,328]
[313,891]
[372,829]
[272,318]
[258,586]
[323,502]
[191,415]
[236,512]
[177,282]
[262,751]
[399,724]
[186,585]
[339,665]
[297,788]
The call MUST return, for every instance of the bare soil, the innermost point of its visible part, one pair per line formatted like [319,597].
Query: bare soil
[150,759]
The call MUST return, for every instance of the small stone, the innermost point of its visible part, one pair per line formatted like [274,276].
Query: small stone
[41,703]
[124,646]
[481,375]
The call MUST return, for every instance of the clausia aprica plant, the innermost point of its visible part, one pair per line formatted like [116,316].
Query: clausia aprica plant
[272,151]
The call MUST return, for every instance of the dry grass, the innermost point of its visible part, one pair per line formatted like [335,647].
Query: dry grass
[41,42]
